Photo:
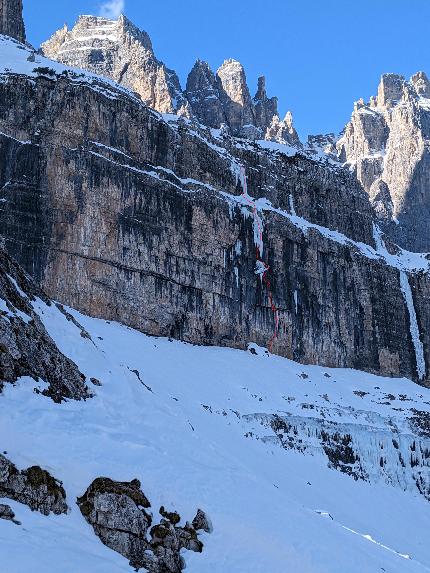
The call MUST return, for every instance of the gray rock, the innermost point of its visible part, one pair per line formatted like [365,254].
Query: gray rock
[26,349]
[11,20]
[202,522]
[265,108]
[120,51]
[204,96]
[34,487]
[236,99]
[7,514]
[283,131]
[117,512]
[421,84]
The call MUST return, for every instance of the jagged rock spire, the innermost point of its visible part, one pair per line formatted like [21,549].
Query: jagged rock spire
[265,108]
[390,90]
[204,95]
[11,20]
[421,84]
[283,131]
[117,49]
[235,96]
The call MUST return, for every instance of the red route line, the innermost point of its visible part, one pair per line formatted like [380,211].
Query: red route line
[265,278]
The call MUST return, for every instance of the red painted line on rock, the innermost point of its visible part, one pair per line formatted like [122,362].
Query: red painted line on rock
[264,276]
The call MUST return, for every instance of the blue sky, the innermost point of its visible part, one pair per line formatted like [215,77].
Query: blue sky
[319,56]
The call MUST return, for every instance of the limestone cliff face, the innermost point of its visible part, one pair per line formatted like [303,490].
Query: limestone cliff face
[388,142]
[130,218]
[120,51]
[11,21]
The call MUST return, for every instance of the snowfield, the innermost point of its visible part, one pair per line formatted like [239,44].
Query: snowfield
[186,421]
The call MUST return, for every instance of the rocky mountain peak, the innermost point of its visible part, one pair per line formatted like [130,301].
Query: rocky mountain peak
[390,90]
[261,94]
[283,131]
[421,84]
[117,49]
[237,100]
[387,141]
[265,108]
[204,96]
[232,77]
[11,20]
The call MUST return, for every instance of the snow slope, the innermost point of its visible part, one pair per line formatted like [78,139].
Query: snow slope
[187,428]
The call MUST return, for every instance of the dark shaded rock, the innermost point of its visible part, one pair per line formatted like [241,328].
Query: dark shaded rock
[26,349]
[171,516]
[7,513]
[116,511]
[204,96]
[11,20]
[265,108]
[202,522]
[34,487]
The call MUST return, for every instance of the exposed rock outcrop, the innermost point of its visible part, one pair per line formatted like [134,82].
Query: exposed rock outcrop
[283,131]
[364,445]
[117,512]
[34,487]
[137,209]
[26,349]
[265,108]
[204,96]
[7,513]
[224,99]
[387,141]
[11,20]
[236,99]
[120,51]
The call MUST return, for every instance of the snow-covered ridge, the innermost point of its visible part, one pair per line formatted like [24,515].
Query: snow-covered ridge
[16,58]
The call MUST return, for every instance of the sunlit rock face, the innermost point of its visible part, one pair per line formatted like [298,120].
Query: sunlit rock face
[387,142]
[130,217]
[118,50]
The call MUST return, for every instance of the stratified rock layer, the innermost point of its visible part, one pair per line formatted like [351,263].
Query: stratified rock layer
[129,218]
[120,51]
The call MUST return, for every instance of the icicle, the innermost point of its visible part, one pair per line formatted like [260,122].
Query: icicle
[415,333]
[292,209]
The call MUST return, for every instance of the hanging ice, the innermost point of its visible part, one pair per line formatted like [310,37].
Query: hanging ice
[415,333]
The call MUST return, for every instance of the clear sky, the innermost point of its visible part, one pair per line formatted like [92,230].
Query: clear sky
[319,56]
